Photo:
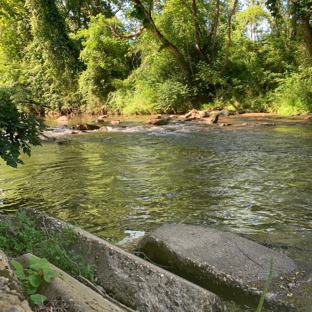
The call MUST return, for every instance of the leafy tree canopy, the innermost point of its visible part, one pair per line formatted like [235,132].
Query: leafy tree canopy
[146,56]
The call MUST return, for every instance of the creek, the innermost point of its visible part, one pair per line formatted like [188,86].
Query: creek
[253,178]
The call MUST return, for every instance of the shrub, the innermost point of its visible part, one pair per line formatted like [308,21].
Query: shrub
[294,93]
[19,235]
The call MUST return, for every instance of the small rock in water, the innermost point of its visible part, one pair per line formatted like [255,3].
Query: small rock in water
[86,127]
[114,122]
[157,122]
[62,119]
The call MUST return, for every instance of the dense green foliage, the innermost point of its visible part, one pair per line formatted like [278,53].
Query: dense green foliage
[19,235]
[145,56]
[18,130]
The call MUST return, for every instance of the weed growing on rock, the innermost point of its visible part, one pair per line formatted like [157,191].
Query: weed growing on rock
[39,271]
[266,286]
[58,247]
[19,235]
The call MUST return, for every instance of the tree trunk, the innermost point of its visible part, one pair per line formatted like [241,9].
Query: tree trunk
[307,32]
[165,43]
[196,31]
[214,31]
[229,36]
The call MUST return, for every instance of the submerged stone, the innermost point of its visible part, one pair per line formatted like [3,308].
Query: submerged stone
[157,121]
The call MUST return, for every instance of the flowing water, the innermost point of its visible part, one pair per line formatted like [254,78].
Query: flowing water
[252,179]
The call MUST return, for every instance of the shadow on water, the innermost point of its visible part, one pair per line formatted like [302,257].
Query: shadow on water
[253,180]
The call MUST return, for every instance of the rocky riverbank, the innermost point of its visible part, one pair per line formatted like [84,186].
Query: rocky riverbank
[229,120]
[201,264]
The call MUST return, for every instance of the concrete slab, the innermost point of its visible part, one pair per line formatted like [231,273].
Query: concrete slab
[131,280]
[231,266]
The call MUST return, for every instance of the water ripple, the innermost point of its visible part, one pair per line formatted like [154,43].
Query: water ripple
[254,181]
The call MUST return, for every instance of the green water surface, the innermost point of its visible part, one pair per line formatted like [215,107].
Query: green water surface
[253,180]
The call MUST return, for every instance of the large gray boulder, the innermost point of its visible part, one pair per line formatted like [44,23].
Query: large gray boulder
[131,280]
[231,266]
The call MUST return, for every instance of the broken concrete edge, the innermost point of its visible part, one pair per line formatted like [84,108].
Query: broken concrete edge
[134,282]
[77,296]
[12,296]
[181,249]
[227,286]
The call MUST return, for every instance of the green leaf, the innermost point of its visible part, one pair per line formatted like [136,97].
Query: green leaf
[30,289]
[147,23]
[17,265]
[12,163]
[48,274]
[33,260]
[38,299]
[34,280]
[47,277]
[38,263]
[19,270]
[138,12]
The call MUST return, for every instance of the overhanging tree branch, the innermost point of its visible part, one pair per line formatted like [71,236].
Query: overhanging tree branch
[165,43]
[117,35]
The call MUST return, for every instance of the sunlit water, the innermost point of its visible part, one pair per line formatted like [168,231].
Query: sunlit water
[253,180]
